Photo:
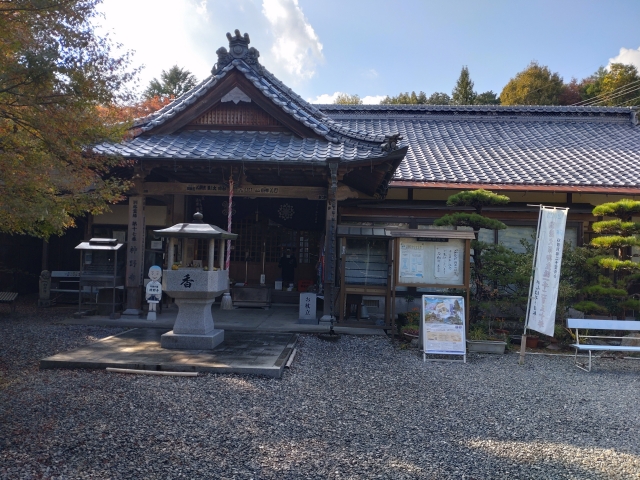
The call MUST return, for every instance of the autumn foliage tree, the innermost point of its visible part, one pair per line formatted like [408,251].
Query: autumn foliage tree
[58,81]
[535,85]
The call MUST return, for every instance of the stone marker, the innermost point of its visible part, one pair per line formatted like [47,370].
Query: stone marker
[307,312]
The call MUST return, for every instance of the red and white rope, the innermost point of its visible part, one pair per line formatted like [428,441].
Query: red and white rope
[228,259]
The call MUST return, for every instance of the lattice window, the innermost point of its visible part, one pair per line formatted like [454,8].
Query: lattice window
[274,240]
[243,114]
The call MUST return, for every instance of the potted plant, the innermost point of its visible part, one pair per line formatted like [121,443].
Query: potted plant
[411,329]
[480,342]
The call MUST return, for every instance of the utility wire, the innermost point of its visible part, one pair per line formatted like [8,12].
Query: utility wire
[602,96]
[627,101]
[620,94]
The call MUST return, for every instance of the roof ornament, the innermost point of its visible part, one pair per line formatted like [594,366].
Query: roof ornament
[391,142]
[238,49]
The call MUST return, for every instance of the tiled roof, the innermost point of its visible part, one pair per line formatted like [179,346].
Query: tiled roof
[239,145]
[272,88]
[493,145]
[596,146]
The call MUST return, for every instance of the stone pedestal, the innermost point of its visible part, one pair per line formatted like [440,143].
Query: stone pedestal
[194,291]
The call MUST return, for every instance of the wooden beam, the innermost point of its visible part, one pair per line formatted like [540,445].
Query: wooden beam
[221,190]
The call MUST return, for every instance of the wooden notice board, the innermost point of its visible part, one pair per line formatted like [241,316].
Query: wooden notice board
[435,259]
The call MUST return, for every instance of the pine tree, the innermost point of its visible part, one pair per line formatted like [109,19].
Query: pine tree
[610,295]
[463,93]
[172,83]
[478,199]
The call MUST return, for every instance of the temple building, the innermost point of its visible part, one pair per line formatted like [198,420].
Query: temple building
[323,180]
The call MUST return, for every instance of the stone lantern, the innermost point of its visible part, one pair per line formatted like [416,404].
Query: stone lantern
[194,285]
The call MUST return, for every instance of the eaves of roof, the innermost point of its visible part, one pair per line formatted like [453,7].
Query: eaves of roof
[253,146]
[601,189]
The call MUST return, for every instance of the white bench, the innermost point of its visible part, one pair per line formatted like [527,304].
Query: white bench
[589,324]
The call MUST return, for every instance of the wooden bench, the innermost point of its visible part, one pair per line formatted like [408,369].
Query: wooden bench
[589,324]
[10,298]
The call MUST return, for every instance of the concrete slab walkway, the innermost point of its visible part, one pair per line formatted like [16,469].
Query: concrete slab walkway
[278,318]
[241,352]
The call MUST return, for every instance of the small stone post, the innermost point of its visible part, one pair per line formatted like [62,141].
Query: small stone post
[44,288]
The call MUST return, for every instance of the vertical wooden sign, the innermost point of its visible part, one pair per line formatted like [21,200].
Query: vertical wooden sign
[135,253]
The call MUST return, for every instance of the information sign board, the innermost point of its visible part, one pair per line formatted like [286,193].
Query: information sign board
[443,325]
[429,263]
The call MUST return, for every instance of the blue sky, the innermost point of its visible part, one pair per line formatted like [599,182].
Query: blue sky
[375,48]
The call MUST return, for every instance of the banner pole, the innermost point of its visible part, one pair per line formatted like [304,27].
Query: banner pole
[523,342]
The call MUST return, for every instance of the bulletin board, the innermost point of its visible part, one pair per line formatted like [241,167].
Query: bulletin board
[430,261]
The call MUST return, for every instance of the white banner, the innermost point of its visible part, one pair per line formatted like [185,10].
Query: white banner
[544,291]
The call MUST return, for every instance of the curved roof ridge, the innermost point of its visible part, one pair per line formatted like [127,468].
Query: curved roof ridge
[245,60]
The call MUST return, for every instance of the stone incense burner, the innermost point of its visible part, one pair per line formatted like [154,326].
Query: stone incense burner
[194,283]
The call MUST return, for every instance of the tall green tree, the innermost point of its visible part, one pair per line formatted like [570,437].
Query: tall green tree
[58,79]
[438,98]
[535,85]
[463,93]
[487,98]
[172,83]
[346,99]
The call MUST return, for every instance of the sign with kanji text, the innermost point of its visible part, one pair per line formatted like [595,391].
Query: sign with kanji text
[307,306]
[544,290]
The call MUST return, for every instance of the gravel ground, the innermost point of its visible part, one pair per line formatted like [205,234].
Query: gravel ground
[357,408]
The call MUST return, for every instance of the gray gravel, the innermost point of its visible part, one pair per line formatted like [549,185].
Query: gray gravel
[357,408]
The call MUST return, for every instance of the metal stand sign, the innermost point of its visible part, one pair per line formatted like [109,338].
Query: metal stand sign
[443,326]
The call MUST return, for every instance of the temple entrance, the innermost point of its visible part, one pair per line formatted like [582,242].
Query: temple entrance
[267,228]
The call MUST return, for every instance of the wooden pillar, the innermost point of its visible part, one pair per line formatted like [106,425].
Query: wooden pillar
[171,255]
[212,251]
[135,254]
[221,255]
[178,209]
[330,238]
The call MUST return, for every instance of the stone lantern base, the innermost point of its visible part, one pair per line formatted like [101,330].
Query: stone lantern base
[192,342]
[193,329]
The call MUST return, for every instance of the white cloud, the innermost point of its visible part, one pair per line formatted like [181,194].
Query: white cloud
[189,21]
[325,98]
[373,99]
[297,47]
[201,8]
[628,56]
